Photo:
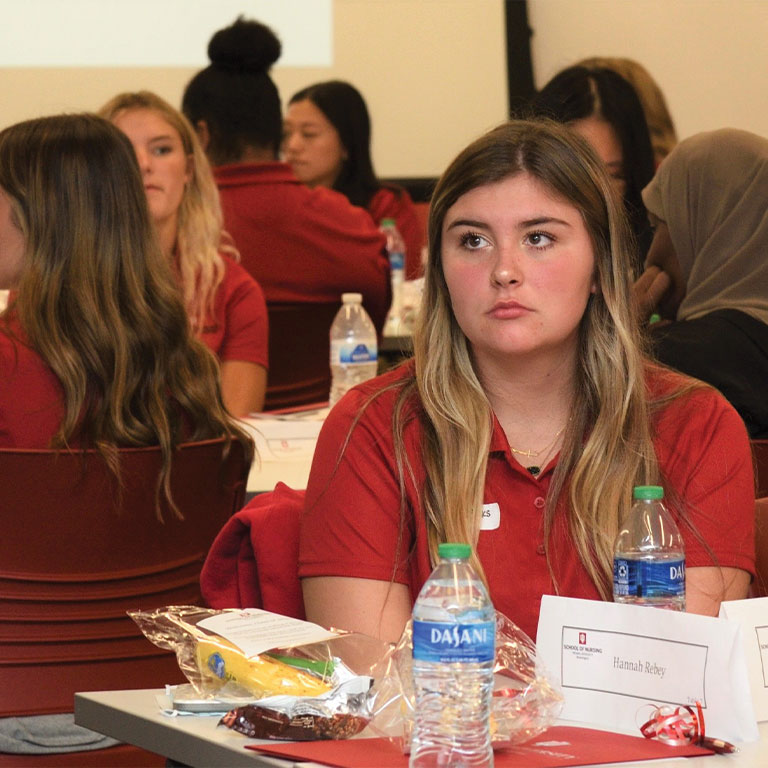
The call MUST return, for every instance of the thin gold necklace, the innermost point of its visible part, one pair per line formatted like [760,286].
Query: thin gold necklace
[531,453]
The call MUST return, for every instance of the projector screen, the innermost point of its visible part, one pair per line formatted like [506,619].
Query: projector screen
[154,33]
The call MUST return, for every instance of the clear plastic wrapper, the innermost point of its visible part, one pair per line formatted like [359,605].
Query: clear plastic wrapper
[524,704]
[309,690]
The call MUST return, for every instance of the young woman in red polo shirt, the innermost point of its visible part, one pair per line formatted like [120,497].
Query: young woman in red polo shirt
[225,304]
[527,415]
[327,142]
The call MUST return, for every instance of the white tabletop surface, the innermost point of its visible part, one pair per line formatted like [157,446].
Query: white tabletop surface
[135,717]
[285,444]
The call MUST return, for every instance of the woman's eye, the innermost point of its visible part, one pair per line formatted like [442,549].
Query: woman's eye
[162,150]
[539,239]
[472,240]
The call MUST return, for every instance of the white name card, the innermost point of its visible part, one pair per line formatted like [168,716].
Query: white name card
[613,661]
[753,617]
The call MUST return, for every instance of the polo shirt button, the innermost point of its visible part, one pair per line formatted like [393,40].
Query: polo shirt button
[540,550]
[539,502]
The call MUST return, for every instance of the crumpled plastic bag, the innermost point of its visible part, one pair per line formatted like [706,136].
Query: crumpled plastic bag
[310,691]
[525,702]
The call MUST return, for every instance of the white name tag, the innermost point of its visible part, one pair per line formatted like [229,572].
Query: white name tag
[491,517]
[753,616]
[613,660]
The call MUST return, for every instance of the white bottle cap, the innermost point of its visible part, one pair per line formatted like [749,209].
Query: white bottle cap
[352,298]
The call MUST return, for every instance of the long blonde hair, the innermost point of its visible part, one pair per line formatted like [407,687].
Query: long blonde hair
[97,299]
[200,219]
[608,444]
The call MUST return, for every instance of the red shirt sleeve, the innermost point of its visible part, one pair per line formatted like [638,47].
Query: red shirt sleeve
[239,330]
[704,454]
[351,522]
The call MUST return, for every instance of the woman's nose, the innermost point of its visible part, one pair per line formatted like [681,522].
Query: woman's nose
[291,142]
[506,268]
[143,159]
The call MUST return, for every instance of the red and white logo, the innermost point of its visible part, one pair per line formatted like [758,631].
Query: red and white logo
[582,638]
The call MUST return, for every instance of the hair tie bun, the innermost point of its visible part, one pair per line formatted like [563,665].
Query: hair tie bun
[244,46]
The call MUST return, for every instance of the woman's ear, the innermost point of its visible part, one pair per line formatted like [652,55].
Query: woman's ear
[201,128]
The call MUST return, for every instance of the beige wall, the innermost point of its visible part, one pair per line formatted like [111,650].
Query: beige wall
[433,71]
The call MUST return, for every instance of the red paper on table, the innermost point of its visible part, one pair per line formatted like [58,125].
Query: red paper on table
[558,746]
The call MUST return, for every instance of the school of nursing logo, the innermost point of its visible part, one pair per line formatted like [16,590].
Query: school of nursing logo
[582,638]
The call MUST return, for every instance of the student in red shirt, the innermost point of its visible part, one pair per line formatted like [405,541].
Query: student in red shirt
[302,245]
[95,346]
[528,413]
[225,304]
[327,142]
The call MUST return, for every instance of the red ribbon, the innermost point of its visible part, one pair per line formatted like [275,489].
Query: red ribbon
[675,725]
[681,725]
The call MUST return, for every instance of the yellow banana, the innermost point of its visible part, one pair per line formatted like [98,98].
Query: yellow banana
[260,675]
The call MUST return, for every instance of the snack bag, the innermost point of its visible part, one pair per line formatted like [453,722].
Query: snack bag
[282,677]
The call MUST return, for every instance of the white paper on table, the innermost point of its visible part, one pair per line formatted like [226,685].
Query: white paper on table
[752,614]
[613,660]
[254,631]
[281,439]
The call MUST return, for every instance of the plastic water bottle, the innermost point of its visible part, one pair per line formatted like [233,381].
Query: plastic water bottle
[354,357]
[396,251]
[649,557]
[454,644]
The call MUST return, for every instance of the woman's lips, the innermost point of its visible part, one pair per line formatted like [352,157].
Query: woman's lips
[506,310]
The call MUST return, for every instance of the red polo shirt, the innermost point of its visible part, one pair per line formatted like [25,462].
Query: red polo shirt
[302,244]
[351,520]
[30,394]
[238,328]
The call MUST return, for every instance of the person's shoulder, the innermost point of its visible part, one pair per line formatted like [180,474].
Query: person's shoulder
[374,401]
[389,202]
[686,406]
[335,204]
[245,174]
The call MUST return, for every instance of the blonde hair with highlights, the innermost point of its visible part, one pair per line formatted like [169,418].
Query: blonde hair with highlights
[97,299]
[199,221]
[608,444]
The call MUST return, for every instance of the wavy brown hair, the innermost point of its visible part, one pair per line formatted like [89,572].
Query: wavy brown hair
[607,446]
[97,299]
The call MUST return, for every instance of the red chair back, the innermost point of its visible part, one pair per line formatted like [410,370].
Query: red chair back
[78,551]
[760,584]
[760,456]
[299,354]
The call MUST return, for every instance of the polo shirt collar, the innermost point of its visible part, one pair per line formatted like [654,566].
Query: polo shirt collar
[241,174]
[500,445]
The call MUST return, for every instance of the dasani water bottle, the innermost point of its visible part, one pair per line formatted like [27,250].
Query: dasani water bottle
[649,557]
[454,644]
[354,352]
